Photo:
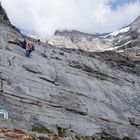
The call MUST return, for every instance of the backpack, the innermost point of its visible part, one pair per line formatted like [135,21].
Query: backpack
[33,47]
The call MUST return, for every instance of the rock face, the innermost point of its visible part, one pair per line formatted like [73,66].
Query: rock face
[3,15]
[76,33]
[128,43]
[78,41]
[5,20]
[82,92]
[135,25]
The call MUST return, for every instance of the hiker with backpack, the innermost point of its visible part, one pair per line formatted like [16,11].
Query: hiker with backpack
[29,49]
[23,44]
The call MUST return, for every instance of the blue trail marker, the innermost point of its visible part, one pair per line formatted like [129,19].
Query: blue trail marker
[5,114]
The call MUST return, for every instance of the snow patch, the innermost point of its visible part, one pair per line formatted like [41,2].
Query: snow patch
[117,47]
[124,30]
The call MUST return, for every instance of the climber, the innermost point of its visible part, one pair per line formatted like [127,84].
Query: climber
[23,44]
[29,49]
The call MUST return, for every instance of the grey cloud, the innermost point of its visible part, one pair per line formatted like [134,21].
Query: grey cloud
[45,16]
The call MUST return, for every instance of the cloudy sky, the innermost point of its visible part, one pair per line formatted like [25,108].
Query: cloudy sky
[91,16]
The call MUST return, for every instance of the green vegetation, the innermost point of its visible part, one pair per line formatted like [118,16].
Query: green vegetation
[93,138]
[61,131]
[85,138]
[41,129]
[126,138]
[34,138]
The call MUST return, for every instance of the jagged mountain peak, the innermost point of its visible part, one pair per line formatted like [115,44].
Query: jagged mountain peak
[4,18]
[3,15]
[76,33]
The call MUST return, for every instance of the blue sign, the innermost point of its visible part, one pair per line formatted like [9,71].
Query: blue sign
[5,113]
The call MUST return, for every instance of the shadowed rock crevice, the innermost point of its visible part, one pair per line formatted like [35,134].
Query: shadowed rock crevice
[76,111]
[96,73]
[116,60]
[1,86]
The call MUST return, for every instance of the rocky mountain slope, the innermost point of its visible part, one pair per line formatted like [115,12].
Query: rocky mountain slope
[69,92]
[128,43]
[78,41]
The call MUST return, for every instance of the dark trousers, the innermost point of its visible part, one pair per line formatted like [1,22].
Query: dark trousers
[28,53]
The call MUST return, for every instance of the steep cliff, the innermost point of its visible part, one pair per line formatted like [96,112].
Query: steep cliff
[67,91]
[3,15]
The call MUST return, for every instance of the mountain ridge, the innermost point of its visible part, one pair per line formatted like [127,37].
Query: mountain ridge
[76,33]
[114,41]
